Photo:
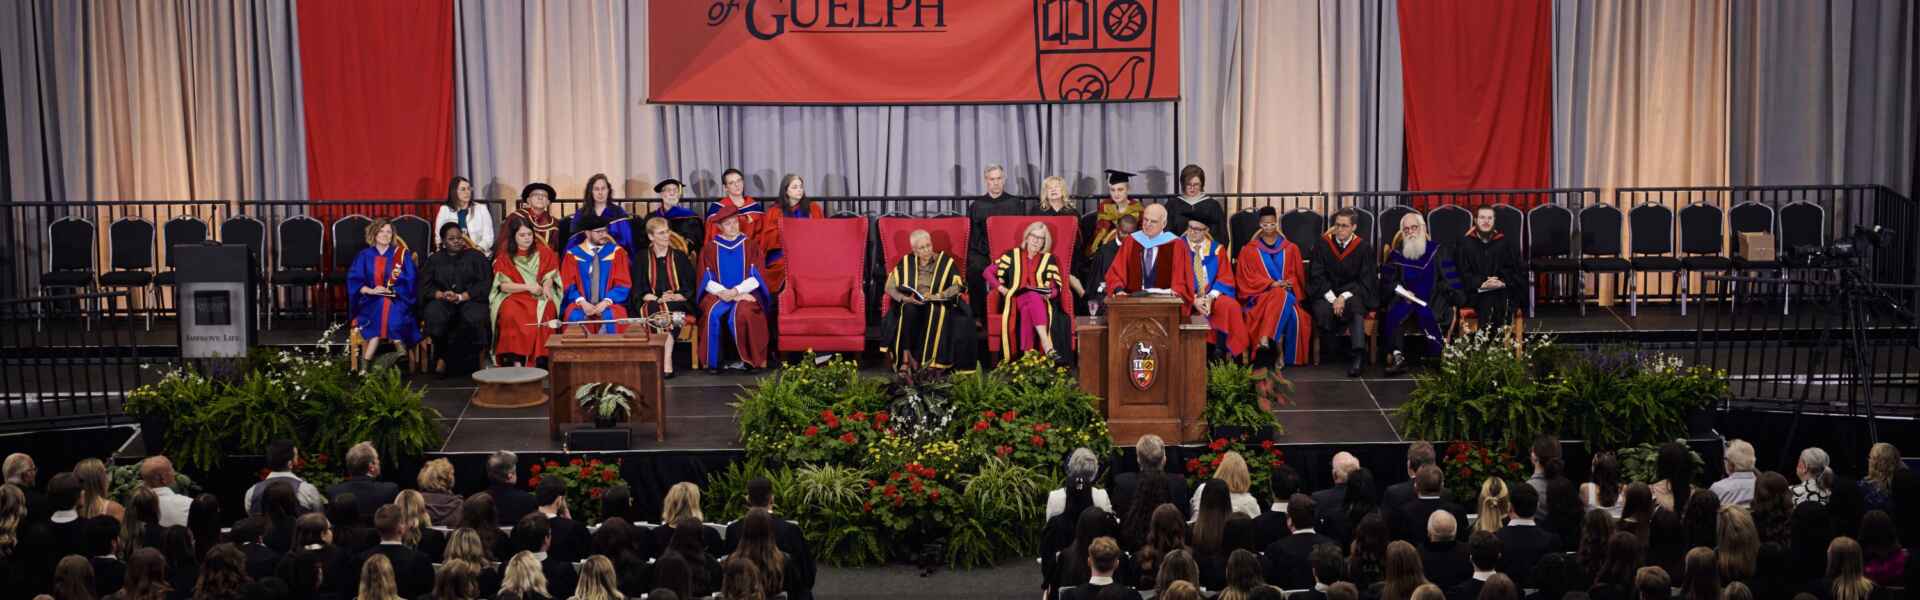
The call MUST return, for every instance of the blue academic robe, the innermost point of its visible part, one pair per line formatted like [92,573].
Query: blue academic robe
[730,263]
[619,226]
[600,274]
[380,316]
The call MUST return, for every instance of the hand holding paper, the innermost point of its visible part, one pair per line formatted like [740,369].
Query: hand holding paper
[1402,291]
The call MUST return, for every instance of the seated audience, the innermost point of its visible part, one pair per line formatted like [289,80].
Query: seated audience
[1329,569]
[411,570]
[1652,583]
[1816,479]
[569,536]
[436,486]
[1180,590]
[1559,575]
[1083,469]
[1494,506]
[1736,489]
[146,576]
[280,457]
[103,552]
[739,580]
[1427,500]
[1736,591]
[1136,519]
[1523,542]
[376,580]
[1700,579]
[778,572]
[1233,471]
[503,479]
[1344,590]
[1813,528]
[1739,546]
[1886,561]
[465,545]
[176,546]
[1289,560]
[597,580]
[313,544]
[420,534]
[1367,560]
[1167,534]
[363,481]
[204,521]
[1548,465]
[786,536]
[1151,452]
[1419,454]
[23,473]
[1070,567]
[477,517]
[1667,542]
[1595,530]
[1447,561]
[141,526]
[1403,573]
[1331,501]
[619,542]
[95,483]
[1103,564]
[1846,578]
[1876,489]
[1701,519]
[524,579]
[1243,576]
[455,580]
[1177,567]
[257,558]
[688,544]
[350,531]
[1424,592]
[156,474]
[1282,483]
[1602,491]
[681,504]
[533,534]
[222,574]
[1210,549]
[73,579]
[1615,579]
[1772,508]
[1636,512]
[1674,466]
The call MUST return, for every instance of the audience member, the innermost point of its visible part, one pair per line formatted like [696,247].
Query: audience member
[1151,452]
[156,473]
[73,579]
[412,570]
[1772,508]
[1177,567]
[103,552]
[1289,560]
[302,573]
[739,580]
[617,541]
[280,504]
[1180,590]
[22,472]
[146,576]
[222,574]
[778,573]
[1563,513]
[183,567]
[1331,501]
[1239,534]
[1361,499]
[1083,469]
[1602,490]
[683,503]
[420,532]
[1906,506]
[1701,518]
[436,485]
[204,520]
[533,534]
[1558,575]
[1103,564]
[1420,453]
[351,531]
[1736,489]
[1816,480]
[1282,482]
[1774,577]
[1547,466]
[95,481]
[1427,500]
[1494,507]
[1484,550]
[376,580]
[688,541]
[478,515]
[1674,466]
[1233,472]
[1876,489]
[1070,568]
[1700,578]
[1242,576]
[597,580]
[1886,561]
[1366,560]
[1524,542]
[1499,587]
[141,526]
[509,501]
[670,572]
[786,536]
[569,536]
[313,539]
[1812,529]
[618,502]
[1636,513]
[1739,546]
[257,558]
[455,580]
[1667,542]
[363,480]
[1168,533]
[524,579]
[1329,568]
[1845,576]
[1446,560]
[1615,578]
[1403,573]
[1736,591]
[1210,521]
[1595,530]
[1136,520]
[1652,583]
[1344,590]
[281,455]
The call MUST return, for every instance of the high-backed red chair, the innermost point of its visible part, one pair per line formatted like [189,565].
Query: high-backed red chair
[949,235]
[823,307]
[1003,233]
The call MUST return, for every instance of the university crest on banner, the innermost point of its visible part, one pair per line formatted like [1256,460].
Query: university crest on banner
[1142,366]
[1093,50]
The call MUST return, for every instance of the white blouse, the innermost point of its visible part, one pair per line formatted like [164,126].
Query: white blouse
[479,226]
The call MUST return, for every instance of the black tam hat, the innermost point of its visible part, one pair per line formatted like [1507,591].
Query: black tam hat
[537,186]
[1114,177]
[589,222]
[667,182]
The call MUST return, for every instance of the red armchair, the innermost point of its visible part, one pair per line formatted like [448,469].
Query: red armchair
[1002,234]
[949,235]
[823,306]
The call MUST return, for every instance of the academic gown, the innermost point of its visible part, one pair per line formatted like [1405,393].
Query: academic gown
[1213,273]
[1206,210]
[774,243]
[595,274]
[1106,222]
[382,316]
[1431,278]
[513,311]
[465,272]
[1020,272]
[733,264]
[1274,313]
[1495,256]
[658,275]
[546,229]
[688,228]
[619,225]
[1172,267]
[1334,270]
[936,334]
[1093,272]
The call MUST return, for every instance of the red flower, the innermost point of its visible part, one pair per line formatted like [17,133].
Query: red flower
[533,482]
[866,506]
[1003,450]
[859,415]
[1218,444]
[930,474]
[847,438]
[1217,458]
[811,431]
[1193,465]
[1465,472]
[989,415]
[1009,416]
[608,475]
[552,464]
[1276,463]
[872,484]
[826,414]
[575,462]
[890,490]
[1041,427]
[594,462]
[833,423]
[895,476]
[880,417]
[534,468]
[899,500]
[596,492]
[979,425]
[1038,441]
[934,496]
[918,488]
[1266,444]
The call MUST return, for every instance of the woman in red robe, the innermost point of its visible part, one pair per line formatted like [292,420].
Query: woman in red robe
[526,289]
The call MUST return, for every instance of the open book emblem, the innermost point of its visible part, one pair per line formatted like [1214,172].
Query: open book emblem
[1141,366]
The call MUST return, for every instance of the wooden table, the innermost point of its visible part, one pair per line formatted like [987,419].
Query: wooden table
[509,387]
[632,359]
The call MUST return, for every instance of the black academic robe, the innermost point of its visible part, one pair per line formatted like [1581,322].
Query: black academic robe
[936,334]
[657,275]
[1095,275]
[1331,268]
[465,272]
[1476,259]
[1208,210]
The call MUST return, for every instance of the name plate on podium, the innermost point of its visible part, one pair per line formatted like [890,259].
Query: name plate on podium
[1148,364]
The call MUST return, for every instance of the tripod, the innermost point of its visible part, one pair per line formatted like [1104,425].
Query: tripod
[1855,301]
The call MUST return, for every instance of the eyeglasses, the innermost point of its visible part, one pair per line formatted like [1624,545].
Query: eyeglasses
[1269,225]
[1413,228]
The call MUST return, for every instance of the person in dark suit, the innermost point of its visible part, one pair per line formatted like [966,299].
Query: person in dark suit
[248,534]
[510,503]
[1446,560]
[1103,558]
[570,538]
[1329,571]
[65,530]
[363,481]
[1274,524]
[412,569]
[1411,525]
[103,549]
[1332,500]
[1152,456]
[1289,561]
[1419,454]
[786,536]
[1484,550]
[1524,542]
[532,535]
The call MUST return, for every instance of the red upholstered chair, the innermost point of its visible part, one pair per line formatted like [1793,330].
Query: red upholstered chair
[949,235]
[1003,233]
[823,307]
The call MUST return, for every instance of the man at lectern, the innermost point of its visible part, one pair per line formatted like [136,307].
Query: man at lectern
[597,277]
[1150,262]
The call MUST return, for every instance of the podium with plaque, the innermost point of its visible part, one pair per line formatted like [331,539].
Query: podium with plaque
[1148,364]
[632,359]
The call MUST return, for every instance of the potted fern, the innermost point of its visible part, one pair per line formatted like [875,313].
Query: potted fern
[1235,409]
[608,403]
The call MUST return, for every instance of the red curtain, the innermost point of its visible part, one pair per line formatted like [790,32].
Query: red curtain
[377,79]
[1479,93]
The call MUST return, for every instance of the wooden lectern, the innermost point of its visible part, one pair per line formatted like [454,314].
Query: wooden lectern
[1149,367]
[632,359]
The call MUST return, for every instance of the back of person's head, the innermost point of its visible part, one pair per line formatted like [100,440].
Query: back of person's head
[1546,453]
[1149,494]
[13,508]
[617,502]
[1300,512]
[501,466]
[1701,578]
[282,500]
[1815,462]
[1176,567]
[1878,538]
[1739,546]
[1484,549]
[1180,590]
[740,580]
[662,594]
[459,579]
[146,577]
[1497,587]
[73,579]
[18,469]
[376,579]
[248,530]
[1736,591]
[100,534]
[465,544]
[1596,527]
[1343,591]
[268,588]
[1361,496]
[176,544]
[1493,504]
[689,537]
[477,512]
[1564,506]
[361,459]
[1667,541]
[1283,482]
[63,491]
[1210,523]
[598,581]
[1402,571]
[1370,537]
[436,476]
[1653,583]
[550,491]
[1637,502]
[1243,571]
[1427,480]
[757,544]
[1524,499]
[1624,553]
[1739,456]
[673,572]
[1604,472]
[222,572]
[1428,591]
[310,529]
[682,501]
[760,492]
[203,518]
[390,521]
[1151,452]
[344,510]
[1233,470]
[302,572]
[1701,517]
[1846,569]
[1329,565]
[614,539]
[1674,465]
[530,534]
[1556,573]
[1441,526]
[1344,464]
[280,455]
[1240,534]
[1419,454]
[1103,555]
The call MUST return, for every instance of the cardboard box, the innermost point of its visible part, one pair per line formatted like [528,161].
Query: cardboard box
[1756,247]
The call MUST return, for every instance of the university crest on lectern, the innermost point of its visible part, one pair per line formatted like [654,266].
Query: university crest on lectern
[1141,366]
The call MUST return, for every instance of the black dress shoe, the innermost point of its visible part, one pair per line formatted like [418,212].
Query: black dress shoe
[667,375]
[1354,367]
[1396,364]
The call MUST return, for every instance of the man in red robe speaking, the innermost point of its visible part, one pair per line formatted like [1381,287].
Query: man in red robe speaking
[1150,262]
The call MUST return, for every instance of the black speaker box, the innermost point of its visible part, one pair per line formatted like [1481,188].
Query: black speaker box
[590,439]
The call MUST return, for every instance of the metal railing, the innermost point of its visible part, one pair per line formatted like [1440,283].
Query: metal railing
[1787,342]
[64,373]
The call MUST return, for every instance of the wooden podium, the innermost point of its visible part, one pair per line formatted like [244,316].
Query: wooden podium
[632,359]
[1149,367]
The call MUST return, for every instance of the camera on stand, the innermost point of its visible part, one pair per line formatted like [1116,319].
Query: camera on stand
[1841,253]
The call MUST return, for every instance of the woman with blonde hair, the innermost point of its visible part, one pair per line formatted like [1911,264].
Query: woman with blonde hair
[456,580]
[13,509]
[1053,200]
[1030,283]
[1739,544]
[1233,470]
[1493,505]
[420,532]
[524,580]
[683,502]
[1876,489]
[597,580]
[141,527]
[465,544]
[95,480]
[1846,572]
[436,487]
[146,577]
[376,579]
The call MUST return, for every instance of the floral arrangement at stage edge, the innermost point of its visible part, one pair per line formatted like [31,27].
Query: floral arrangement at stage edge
[1468,464]
[1260,463]
[587,480]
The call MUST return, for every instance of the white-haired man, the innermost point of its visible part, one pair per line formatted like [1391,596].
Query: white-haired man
[1737,488]
[929,324]
[1418,277]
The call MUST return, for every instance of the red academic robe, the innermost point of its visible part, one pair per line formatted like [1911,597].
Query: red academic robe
[728,263]
[618,282]
[1267,304]
[1172,269]
[774,243]
[511,333]
[1213,272]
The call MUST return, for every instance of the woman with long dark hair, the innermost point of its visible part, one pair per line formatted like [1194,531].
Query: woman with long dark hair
[1168,534]
[222,574]
[526,290]
[1071,568]
[183,567]
[1674,465]
[777,572]
[1614,580]
[472,216]
[1602,490]
[1701,519]
[598,200]
[203,519]
[1367,559]
[1403,572]
[146,577]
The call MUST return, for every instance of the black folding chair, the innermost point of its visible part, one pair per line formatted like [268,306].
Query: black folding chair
[1301,226]
[1753,217]
[1550,248]
[1510,222]
[418,234]
[1652,249]
[1600,245]
[179,230]
[130,261]
[1241,227]
[297,260]
[1802,224]
[1448,224]
[70,259]
[1700,246]
[1389,223]
[1362,224]
[349,238]
[250,232]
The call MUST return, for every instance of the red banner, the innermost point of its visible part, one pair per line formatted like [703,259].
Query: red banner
[912,51]
[1479,93]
